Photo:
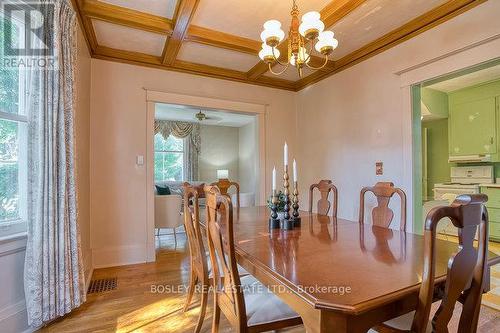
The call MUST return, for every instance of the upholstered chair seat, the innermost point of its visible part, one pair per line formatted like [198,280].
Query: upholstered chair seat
[402,323]
[262,306]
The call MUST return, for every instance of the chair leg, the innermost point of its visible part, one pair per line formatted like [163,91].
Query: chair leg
[175,238]
[193,280]
[204,298]
[216,316]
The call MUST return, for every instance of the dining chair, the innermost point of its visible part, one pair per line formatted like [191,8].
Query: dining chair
[382,215]
[224,185]
[466,270]
[325,186]
[247,304]
[199,271]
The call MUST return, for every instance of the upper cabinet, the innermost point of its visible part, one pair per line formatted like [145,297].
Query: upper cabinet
[474,121]
[472,127]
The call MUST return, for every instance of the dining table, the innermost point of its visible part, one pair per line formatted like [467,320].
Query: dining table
[338,275]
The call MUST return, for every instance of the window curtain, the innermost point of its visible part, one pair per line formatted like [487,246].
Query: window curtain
[53,275]
[190,132]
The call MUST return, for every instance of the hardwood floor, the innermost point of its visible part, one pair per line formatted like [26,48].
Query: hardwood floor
[133,307]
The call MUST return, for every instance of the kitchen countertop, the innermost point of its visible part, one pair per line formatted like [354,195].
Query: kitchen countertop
[496,185]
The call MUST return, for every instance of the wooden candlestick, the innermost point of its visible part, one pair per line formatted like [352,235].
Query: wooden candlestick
[287,223]
[295,205]
[274,222]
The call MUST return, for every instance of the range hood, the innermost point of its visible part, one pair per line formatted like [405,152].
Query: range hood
[470,158]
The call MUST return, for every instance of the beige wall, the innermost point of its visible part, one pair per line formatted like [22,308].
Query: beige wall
[118,135]
[354,118]
[82,143]
[247,162]
[219,150]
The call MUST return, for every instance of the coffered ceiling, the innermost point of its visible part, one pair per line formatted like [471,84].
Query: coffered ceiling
[220,38]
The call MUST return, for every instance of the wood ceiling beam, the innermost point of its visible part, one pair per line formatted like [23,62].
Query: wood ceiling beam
[127,17]
[184,14]
[86,25]
[409,30]
[331,14]
[142,59]
[222,40]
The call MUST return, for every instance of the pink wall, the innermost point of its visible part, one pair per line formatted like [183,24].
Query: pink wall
[356,117]
[118,135]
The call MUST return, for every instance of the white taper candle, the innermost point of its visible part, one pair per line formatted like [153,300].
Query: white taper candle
[294,171]
[274,178]
[285,154]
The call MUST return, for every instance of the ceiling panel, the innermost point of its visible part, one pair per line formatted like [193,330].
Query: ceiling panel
[165,8]
[213,56]
[374,19]
[468,80]
[214,117]
[128,39]
[245,18]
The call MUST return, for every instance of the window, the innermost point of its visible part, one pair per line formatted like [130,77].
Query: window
[13,139]
[169,158]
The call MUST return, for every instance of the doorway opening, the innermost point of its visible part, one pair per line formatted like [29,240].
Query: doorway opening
[456,141]
[199,140]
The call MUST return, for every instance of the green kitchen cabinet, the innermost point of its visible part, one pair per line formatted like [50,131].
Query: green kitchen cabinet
[493,206]
[473,127]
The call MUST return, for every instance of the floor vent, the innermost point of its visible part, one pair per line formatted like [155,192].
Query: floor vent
[102,285]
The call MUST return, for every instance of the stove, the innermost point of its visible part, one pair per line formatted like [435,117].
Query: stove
[464,180]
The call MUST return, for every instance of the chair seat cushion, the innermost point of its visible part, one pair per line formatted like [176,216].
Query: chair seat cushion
[403,322]
[262,305]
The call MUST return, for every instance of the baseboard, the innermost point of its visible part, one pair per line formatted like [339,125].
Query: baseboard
[14,318]
[119,256]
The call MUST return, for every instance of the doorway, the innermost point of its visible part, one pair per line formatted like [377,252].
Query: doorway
[185,107]
[456,128]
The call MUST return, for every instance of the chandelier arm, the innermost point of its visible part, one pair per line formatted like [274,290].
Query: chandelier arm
[277,60]
[320,67]
[277,73]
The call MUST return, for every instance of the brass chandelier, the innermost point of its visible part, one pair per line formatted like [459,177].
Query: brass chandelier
[301,34]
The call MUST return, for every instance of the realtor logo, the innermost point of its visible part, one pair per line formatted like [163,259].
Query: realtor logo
[28,28]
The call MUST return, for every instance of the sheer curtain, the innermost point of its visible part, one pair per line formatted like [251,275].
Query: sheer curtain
[190,132]
[53,277]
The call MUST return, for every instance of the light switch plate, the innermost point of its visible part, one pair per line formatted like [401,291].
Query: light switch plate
[140,160]
[379,168]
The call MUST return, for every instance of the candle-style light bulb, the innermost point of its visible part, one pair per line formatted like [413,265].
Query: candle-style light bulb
[285,154]
[294,171]
[274,178]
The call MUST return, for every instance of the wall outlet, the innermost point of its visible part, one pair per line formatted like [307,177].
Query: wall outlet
[140,160]
[379,168]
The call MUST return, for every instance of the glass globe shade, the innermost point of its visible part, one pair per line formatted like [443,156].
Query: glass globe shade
[272,34]
[266,53]
[311,25]
[326,44]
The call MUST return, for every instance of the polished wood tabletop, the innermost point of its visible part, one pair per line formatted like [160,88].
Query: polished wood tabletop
[340,276]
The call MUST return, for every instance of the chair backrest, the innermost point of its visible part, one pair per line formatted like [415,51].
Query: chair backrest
[227,284]
[198,255]
[325,186]
[168,211]
[382,215]
[224,185]
[466,268]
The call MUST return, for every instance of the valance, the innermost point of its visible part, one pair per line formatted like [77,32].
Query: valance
[179,129]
